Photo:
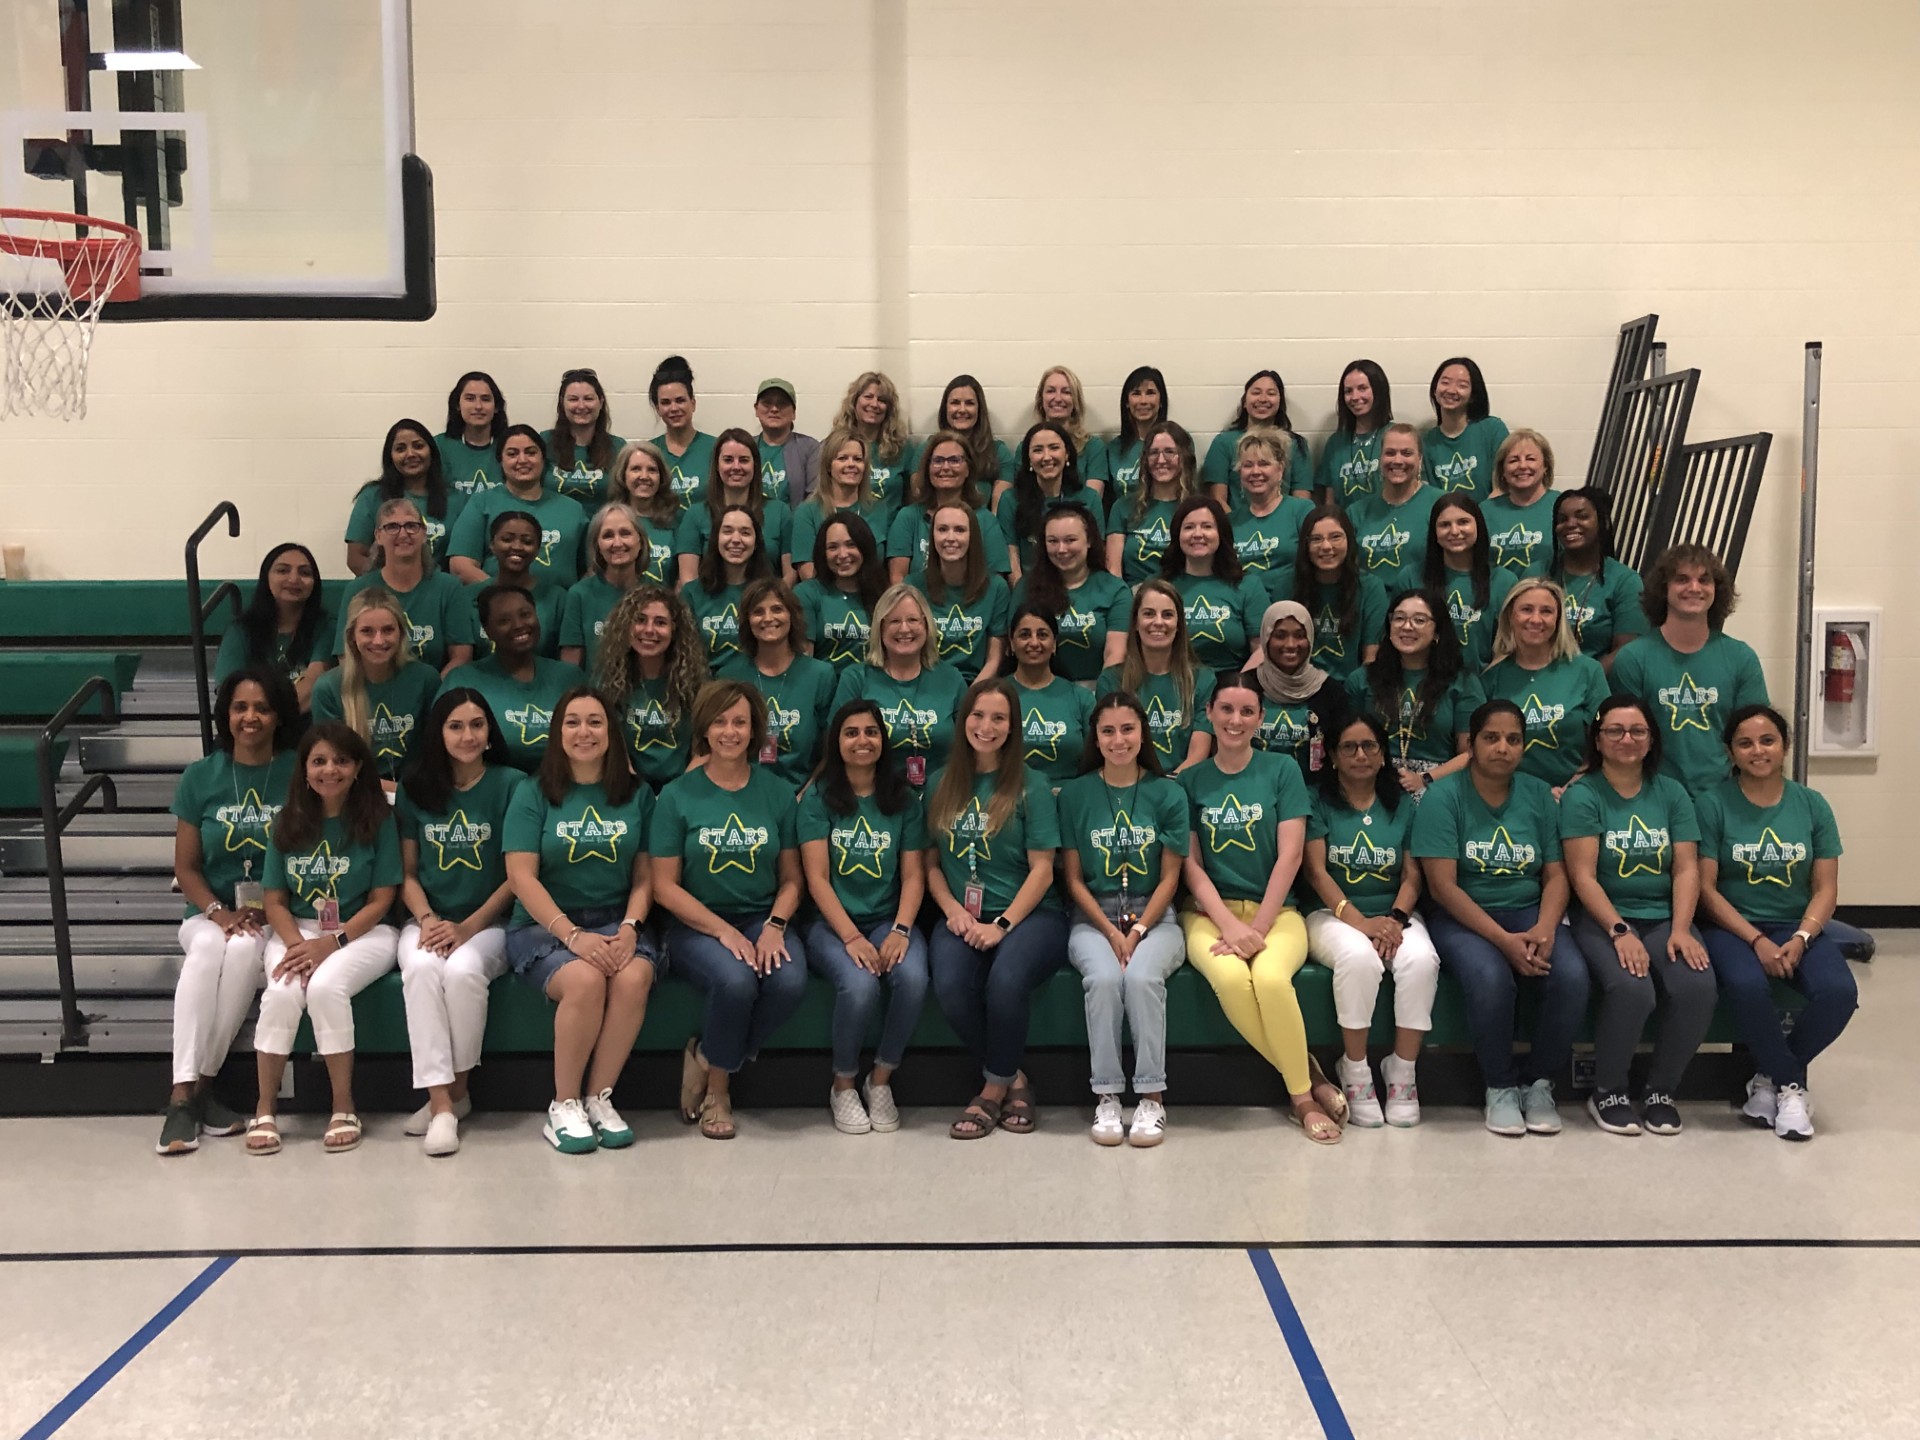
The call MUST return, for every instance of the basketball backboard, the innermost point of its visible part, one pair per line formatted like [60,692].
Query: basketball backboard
[263,149]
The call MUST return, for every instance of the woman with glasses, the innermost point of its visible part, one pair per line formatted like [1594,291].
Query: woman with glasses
[580,446]
[1140,520]
[438,612]
[409,469]
[944,474]
[1415,687]
[1349,607]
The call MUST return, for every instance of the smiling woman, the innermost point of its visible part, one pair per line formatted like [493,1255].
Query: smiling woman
[380,691]
[521,686]
[410,467]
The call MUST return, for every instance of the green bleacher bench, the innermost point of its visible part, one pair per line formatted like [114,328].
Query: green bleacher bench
[49,611]
[33,685]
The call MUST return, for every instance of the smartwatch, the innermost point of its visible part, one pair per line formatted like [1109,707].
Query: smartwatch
[1401,917]
[905,931]
[778,922]
[1005,924]
[1804,937]
[1620,929]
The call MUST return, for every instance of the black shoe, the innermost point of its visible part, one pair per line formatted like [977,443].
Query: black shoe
[1658,1115]
[1613,1114]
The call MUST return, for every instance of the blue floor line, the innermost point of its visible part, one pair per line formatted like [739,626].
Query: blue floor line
[1333,1420]
[91,1386]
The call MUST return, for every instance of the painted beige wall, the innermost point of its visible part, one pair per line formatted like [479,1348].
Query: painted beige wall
[991,186]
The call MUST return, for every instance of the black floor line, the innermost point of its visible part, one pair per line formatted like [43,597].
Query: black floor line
[939,1247]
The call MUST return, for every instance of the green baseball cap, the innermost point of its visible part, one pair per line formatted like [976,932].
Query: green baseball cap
[784,386]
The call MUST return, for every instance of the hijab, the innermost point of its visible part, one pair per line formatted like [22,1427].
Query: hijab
[1275,683]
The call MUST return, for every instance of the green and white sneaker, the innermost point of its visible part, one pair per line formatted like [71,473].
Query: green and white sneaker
[1536,1104]
[613,1132]
[1503,1111]
[180,1131]
[219,1118]
[568,1130]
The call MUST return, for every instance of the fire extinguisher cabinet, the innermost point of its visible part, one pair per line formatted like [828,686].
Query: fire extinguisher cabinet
[1846,699]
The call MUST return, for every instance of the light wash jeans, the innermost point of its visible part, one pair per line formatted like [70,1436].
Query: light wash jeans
[1137,993]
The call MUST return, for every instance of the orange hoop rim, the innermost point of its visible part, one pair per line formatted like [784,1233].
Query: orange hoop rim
[98,268]
[15,244]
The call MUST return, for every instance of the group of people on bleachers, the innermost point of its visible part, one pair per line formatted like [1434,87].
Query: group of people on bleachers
[945,714]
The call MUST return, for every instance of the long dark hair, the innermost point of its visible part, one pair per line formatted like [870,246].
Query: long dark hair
[1029,504]
[1226,560]
[1280,420]
[1136,377]
[756,502]
[712,575]
[260,621]
[300,819]
[985,460]
[525,432]
[920,487]
[1386,781]
[456,427]
[1046,586]
[393,486]
[555,775]
[890,789]
[1478,405]
[871,582]
[600,444]
[1346,589]
[1385,674]
[280,699]
[428,779]
[1479,568]
[1382,410]
[1650,766]
[1148,759]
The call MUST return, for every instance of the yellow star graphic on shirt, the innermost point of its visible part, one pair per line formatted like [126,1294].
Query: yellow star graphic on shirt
[1161,725]
[533,721]
[1769,851]
[1039,733]
[304,888]
[390,733]
[1383,546]
[1642,856]
[1686,696]
[1203,613]
[861,853]
[1516,545]
[723,630]
[1228,815]
[1125,850]
[1075,626]
[1540,717]
[905,729]
[1411,726]
[1326,631]
[1361,859]
[780,723]
[548,539]
[650,720]
[1501,848]
[956,631]
[735,839]
[1150,543]
[969,839]
[593,831]
[250,811]
[458,835]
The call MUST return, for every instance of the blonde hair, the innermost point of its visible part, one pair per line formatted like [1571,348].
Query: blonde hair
[891,600]
[665,506]
[596,562]
[1276,442]
[1565,647]
[892,438]
[838,439]
[1076,422]
[353,675]
[1518,437]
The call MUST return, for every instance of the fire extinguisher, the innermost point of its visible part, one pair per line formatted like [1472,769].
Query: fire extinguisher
[1842,666]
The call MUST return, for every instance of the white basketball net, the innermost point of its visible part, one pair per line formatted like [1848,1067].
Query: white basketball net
[51,295]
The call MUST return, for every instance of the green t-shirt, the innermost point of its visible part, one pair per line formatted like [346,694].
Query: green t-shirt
[586,844]
[1637,836]
[1474,625]
[838,622]
[1236,819]
[1223,619]
[1337,653]
[461,861]
[887,481]
[584,615]
[1558,703]
[288,658]
[1267,544]
[1144,539]
[997,861]
[1765,857]
[863,852]
[233,808]
[688,474]
[809,519]
[1367,849]
[919,713]
[1348,467]
[563,525]
[911,535]
[1501,854]
[366,508]
[799,711]
[1121,831]
[469,468]
[1221,468]
[523,709]
[439,613]
[1690,698]
[582,481]
[1007,513]
[1603,607]
[1053,726]
[659,568]
[1123,466]
[396,710]
[1170,724]
[773,467]
[658,743]
[728,841]
[1100,606]
[1465,463]
[1412,742]
[964,629]
[1393,538]
[1302,729]
[716,615]
[776,531]
[549,609]
[1520,537]
[1094,463]
[335,867]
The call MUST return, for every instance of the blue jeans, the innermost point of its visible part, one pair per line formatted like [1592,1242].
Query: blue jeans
[1137,993]
[743,1008]
[987,995]
[1822,976]
[1491,985]
[536,954]
[856,995]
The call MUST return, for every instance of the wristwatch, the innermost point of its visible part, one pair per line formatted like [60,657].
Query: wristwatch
[1804,937]
[629,921]
[778,922]
[1005,924]
[905,931]
[1401,917]
[1620,929]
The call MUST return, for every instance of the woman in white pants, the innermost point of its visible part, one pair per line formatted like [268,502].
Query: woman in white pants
[452,811]
[223,809]
[333,868]
[1360,863]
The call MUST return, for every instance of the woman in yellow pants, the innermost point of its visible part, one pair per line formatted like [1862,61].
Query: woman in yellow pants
[1249,829]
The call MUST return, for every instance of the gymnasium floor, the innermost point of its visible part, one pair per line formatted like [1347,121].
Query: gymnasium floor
[1439,1282]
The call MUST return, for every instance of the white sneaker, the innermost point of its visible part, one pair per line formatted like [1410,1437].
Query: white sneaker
[1761,1103]
[1363,1103]
[849,1115]
[612,1132]
[1793,1115]
[418,1122]
[882,1113]
[1403,1095]
[1149,1124]
[1109,1124]
[568,1130]
[443,1133]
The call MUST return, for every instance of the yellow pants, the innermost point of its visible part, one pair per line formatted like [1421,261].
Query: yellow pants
[1257,995]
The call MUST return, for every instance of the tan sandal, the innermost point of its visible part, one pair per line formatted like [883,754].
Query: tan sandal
[693,1082]
[263,1135]
[1336,1104]
[716,1117]
[343,1128]
[1320,1127]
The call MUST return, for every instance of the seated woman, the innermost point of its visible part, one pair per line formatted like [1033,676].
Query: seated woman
[223,808]
[640,483]
[410,469]
[438,616]
[689,451]
[735,486]
[1223,604]
[1359,862]
[521,687]
[1456,454]
[970,603]
[796,689]
[452,813]
[1124,833]
[576,842]
[733,559]
[1248,813]
[1459,566]
[863,838]
[1603,596]
[1048,477]
[650,668]
[1769,881]
[332,870]
[1139,520]
[1263,406]
[943,475]
[1266,519]
[726,869]
[848,581]
[1632,842]
[993,829]
[285,626]
[581,445]
[1415,687]
[513,540]
[559,521]
[476,419]
[1538,666]
[1349,609]
[1302,705]
[1157,668]
[1050,729]
[1059,400]
[380,691]
[871,410]
[842,490]
[1068,580]
[1488,841]
[616,549]
[917,694]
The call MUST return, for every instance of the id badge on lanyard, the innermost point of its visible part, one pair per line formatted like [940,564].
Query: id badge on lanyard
[917,772]
[328,914]
[770,751]
[975,897]
[248,893]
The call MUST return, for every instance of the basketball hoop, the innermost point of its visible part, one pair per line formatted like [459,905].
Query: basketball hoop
[56,272]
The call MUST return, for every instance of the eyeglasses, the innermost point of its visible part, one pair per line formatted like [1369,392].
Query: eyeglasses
[402,527]
[1358,747]
[1414,622]
[1624,732]
[947,462]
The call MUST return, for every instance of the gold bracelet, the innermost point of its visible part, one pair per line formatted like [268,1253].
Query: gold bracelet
[1341,908]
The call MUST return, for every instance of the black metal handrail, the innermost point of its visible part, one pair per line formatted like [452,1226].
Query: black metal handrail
[54,819]
[198,613]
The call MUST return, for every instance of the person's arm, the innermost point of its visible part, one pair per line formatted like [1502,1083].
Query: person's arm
[1442,876]
[621,945]
[467,571]
[959,921]
[913,890]
[1032,890]
[1199,747]
[1161,901]
[1116,650]
[1286,868]
[815,859]
[359,557]
[1686,902]
[673,897]
[303,687]
[1088,905]
[996,654]
[1820,906]
[569,654]
[1117,553]
[897,570]
[523,880]
[187,873]
[1606,660]
[1580,858]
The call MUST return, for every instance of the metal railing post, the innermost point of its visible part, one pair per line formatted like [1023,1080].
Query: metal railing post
[197,613]
[1657,357]
[54,819]
[1805,661]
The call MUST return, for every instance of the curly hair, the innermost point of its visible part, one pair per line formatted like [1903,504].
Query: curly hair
[891,439]
[1653,599]
[616,669]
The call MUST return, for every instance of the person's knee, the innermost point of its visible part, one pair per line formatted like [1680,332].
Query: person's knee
[1832,985]
[633,981]
[1367,967]
[578,984]
[854,986]
[787,982]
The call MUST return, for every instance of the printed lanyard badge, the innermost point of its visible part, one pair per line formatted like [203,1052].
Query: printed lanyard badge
[248,893]
[328,914]
[770,751]
[917,771]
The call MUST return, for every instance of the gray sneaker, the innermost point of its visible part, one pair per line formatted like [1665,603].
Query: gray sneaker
[1762,1103]
[1503,1111]
[1536,1103]
[180,1131]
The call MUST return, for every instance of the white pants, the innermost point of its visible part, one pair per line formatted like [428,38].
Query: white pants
[447,1002]
[1357,968]
[327,994]
[218,980]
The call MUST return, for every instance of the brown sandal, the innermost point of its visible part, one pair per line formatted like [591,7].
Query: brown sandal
[716,1117]
[1018,1117]
[693,1082]
[1336,1106]
[977,1121]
